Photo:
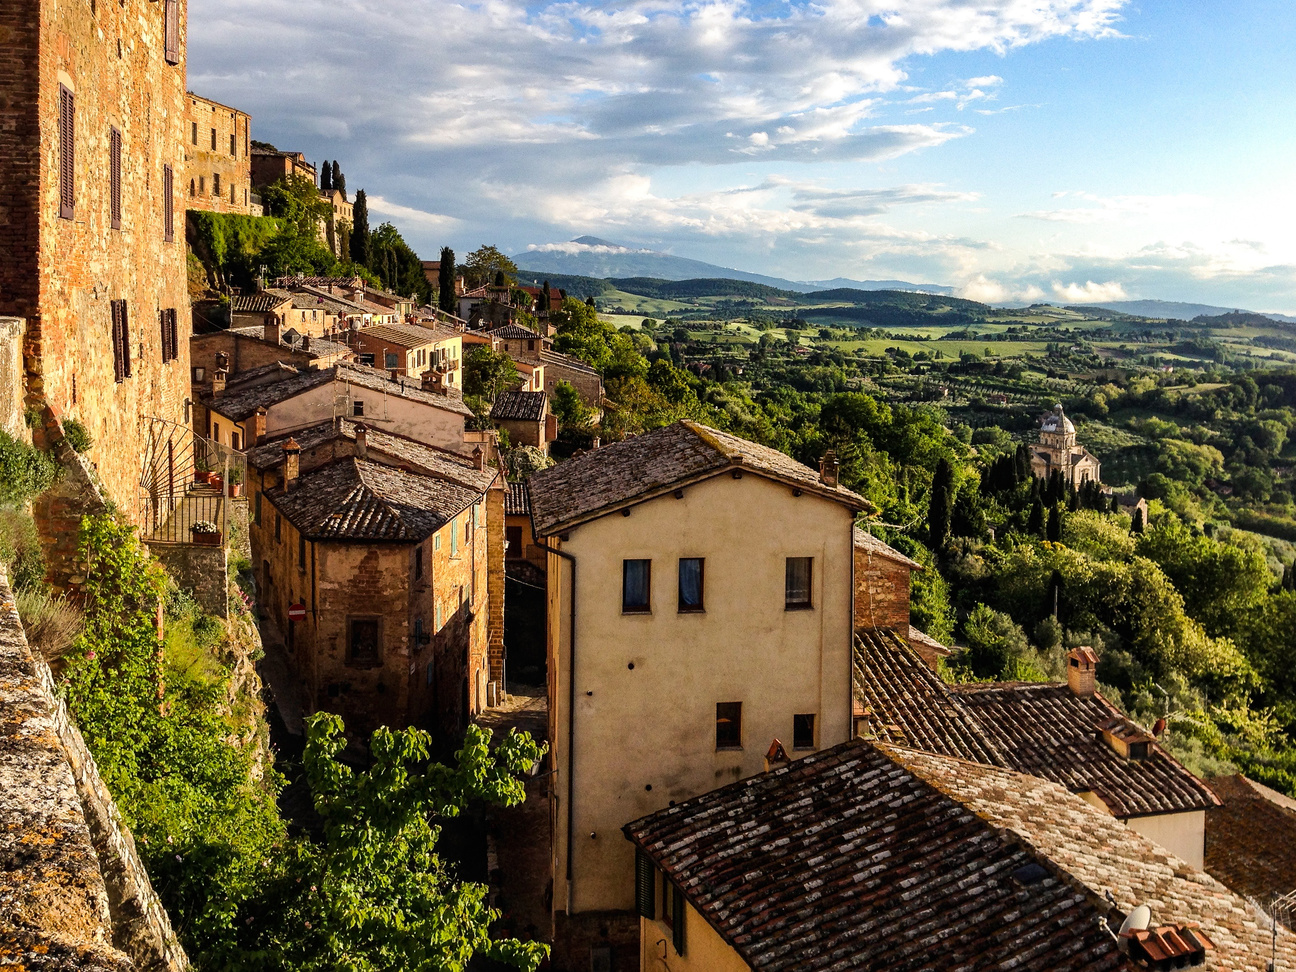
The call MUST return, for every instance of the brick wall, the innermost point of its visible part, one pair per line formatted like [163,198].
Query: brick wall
[495,581]
[881,592]
[219,180]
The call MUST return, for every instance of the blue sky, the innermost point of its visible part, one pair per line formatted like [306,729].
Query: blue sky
[1014,149]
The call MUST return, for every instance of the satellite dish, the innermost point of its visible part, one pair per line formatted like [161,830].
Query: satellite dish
[1139,919]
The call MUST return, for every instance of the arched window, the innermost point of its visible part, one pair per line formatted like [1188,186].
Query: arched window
[191,188]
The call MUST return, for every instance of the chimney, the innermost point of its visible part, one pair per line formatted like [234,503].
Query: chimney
[829,468]
[305,342]
[361,442]
[479,458]
[776,756]
[222,360]
[291,463]
[395,374]
[434,381]
[1082,668]
[272,326]
[258,426]
[218,382]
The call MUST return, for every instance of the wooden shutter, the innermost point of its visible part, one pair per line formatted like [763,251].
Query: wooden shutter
[168,204]
[172,27]
[118,339]
[645,880]
[167,325]
[172,332]
[677,920]
[67,153]
[115,177]
[121,324]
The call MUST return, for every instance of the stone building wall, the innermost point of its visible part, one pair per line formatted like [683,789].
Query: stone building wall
[218,146]
[198,569]
[881,592]
[495,582]
[62,274]
[11,377]
[73,891]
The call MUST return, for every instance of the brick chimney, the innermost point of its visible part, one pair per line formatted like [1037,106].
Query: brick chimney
[434,381]
[291,463]
[1082,669]
[305,342]
[219,377]
[272,329]
[478,457]
[829,468]
[258,426]
[361,442]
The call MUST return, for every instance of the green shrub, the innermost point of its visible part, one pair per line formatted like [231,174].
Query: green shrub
[78,437]
[24,471]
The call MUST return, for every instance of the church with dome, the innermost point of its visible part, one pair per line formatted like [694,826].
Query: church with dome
[1057,450]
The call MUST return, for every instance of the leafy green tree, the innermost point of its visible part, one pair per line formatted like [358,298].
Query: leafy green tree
[296,200]
[402,269]
[488,372]
[482,264]
[942,505]
[570,408]
[360,248]
[373,895]
[997,647]
[446,282]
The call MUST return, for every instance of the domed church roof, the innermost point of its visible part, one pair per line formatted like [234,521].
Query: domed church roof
[1056,421]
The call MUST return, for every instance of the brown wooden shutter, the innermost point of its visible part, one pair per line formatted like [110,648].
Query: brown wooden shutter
[118,308]
[168,204]
[172,27]
[645,877]
[67,153]
[173,330]
[115,177]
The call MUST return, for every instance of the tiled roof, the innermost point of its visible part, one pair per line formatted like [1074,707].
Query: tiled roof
[1100,854]
[927,643]
[355,499]
[273,369]
[514,332]
[875,547]
[516,501]
[1048,731]
[898,699]
[566,361]
[319,347]
[403,452]
[1037,728]
[606,478]
[848,860]
[261,303]
[519,406]
[409,388]
[1251,839]
[406,335]
[478,292]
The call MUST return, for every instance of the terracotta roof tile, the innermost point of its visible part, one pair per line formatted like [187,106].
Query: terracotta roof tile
[519,406]
[514,332]
[606,478]
[1251,840]
[405,335]
[516,501]
[261,303]
[866,541]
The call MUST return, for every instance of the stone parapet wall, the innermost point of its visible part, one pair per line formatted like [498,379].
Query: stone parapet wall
[200,570]
[73,891]
[12,405]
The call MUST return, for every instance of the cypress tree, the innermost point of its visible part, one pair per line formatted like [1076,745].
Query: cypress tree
[338,179]
[326,176]
[940,512]
[1138,525]
[1055,524]
[545,297]
[1073,499]
[360,247]
[1115,505]
[1022,460]
[1288,578]
[1035,524]
[1056,488]
[446,281]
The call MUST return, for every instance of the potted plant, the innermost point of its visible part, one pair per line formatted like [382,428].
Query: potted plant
[205,532]
[202,468]
[235,484]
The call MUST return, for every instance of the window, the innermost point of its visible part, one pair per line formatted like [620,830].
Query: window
[797,583]
[195,132]
[418,562]
[390,359]
[728,725]
[690,584]
[278,527]
[301,552]
[213,148]
[168,204]
[436,542]
[673,913]
[67,153]
[192,190]
[454,541]
[114,178]
[202,185]
[233,145]
[513,535]
[236,440]
[645,886]
[171,27]
[357,409]
[803,731]
[216,190]
[362,641]
[120,341]
[636,586]
[170,339]
[437,615]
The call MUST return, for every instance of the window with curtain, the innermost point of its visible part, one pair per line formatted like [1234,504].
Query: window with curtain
[636,584]
[690,584]
[797,583]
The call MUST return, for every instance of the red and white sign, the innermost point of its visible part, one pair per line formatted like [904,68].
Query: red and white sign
[296,612]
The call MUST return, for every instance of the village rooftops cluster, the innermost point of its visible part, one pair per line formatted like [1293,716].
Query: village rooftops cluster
[640,468]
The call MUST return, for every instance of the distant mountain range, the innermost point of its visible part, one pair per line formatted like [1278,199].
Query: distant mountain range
[589,256]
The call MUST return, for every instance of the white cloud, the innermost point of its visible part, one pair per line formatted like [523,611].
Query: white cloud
[1090,292]
[408,214]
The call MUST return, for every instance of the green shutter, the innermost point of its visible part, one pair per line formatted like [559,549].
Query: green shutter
[645,886]
[677,920]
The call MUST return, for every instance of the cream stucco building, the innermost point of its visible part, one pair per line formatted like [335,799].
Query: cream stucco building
[700,607]
[1057,451]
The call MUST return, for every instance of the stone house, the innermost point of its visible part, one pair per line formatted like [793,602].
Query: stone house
[245,413]
[218,157]
[563,367]
[411,350]
[878,856]
[526,417]
[532,374]
[518,342]
[1057,451]
[1067,733]
[92,246]
[673,660]
[269,165]
[386,548]
[338,225]
[287,311]
[241,352]
[404,307]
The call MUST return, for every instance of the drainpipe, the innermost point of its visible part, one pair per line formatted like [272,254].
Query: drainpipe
[571,709]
